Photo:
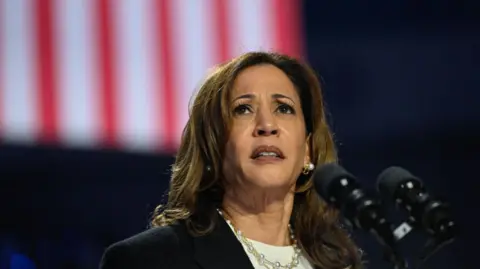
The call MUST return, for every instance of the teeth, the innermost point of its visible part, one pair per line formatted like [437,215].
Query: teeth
[273,154]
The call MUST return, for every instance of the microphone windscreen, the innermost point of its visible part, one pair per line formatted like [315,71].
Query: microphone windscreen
[327,174]
[389,180]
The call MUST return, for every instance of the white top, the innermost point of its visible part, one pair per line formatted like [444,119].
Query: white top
[282,254]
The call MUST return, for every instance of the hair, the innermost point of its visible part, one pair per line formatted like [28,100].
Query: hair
[195,193]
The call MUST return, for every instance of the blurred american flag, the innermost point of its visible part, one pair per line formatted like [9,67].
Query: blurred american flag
[120,73]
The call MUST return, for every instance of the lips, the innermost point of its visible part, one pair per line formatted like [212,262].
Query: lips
[267,152]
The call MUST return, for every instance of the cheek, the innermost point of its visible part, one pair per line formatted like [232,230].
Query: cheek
[234,153]
[239,136]
[295,139]
[229,153]
[235,147]
[301,155]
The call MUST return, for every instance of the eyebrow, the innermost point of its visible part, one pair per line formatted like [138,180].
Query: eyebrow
[274,96]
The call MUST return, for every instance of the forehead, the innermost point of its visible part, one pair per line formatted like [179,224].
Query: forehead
[264,78]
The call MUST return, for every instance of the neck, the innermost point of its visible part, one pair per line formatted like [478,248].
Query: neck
[260,216]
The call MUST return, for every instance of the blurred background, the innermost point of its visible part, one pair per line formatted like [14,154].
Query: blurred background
[94,95]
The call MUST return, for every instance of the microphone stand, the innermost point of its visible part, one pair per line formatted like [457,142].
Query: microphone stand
[445,236]
[390,253]
[370,220]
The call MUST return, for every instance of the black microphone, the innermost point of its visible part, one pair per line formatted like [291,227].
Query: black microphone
[338,187]
[425,211]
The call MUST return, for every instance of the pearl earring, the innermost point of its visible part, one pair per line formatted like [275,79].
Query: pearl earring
[307,168]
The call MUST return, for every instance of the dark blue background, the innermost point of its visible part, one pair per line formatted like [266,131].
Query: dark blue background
[401,82]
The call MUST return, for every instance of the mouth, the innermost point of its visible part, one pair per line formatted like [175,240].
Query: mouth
[267,152]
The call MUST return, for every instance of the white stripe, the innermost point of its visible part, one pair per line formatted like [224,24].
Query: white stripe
[251,25]
[18,105]
[194,42]
[137,116]
[73,24]
[139,98]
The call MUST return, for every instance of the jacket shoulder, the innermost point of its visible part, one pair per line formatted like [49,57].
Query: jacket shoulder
[157,247]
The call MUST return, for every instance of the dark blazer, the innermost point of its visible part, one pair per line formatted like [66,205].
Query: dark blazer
[173,247]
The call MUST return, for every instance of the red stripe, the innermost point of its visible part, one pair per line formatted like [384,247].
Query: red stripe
[106,57]
[288,30]
[221,29]
[166,83]
[46,71]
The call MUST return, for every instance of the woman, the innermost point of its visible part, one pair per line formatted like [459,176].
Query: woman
[241,193]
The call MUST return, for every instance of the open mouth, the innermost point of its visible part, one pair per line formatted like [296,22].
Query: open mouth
[267,152]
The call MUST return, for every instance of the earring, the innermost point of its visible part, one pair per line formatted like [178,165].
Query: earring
[307,168]
[208,168]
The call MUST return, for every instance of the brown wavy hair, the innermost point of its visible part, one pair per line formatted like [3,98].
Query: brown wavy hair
[196,186]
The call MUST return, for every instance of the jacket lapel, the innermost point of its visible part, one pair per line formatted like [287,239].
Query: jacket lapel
[220,249]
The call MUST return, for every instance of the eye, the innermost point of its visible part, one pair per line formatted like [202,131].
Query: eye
[242,109]
[285,109]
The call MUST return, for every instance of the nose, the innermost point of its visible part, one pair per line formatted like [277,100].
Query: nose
[266,125]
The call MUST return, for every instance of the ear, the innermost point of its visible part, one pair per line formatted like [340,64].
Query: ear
[307,158]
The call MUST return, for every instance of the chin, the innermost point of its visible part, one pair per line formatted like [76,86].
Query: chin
[271,181]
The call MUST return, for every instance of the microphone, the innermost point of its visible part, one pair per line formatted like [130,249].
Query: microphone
[341,189]
[409,193]
[425,211]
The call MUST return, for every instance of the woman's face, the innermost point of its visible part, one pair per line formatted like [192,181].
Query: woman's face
[267,145]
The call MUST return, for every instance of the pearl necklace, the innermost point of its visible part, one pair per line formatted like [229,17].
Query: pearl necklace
[261,259]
